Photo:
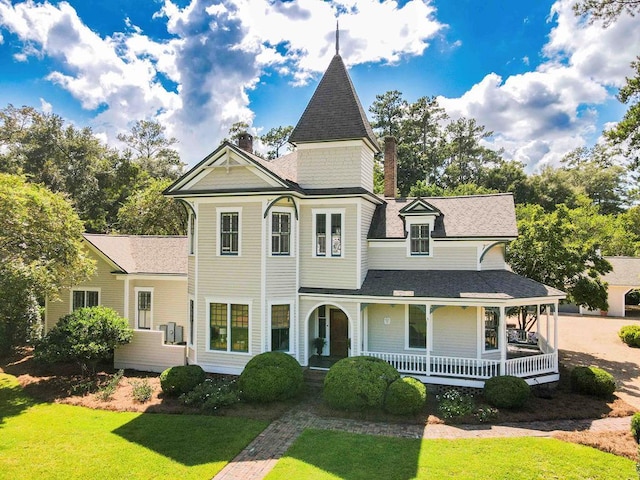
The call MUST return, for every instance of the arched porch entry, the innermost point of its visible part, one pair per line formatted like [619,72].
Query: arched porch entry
[332,324]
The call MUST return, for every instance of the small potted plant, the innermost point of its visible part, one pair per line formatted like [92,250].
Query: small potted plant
[318,344]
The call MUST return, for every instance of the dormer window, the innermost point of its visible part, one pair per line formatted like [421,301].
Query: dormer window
[419,239]
[230,231]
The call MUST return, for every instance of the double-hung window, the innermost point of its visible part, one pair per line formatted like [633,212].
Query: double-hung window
[491,323]
[417,323]
[280,327]
[229,327]
[229,233]
[329,237]
[280,233]
[143,308]
[419,239]
[84,298]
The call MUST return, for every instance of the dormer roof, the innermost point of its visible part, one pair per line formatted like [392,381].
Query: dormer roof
[334,112]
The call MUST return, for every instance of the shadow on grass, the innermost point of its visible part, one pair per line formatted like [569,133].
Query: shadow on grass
[625,373]
[353,456]
[13,400]
[191,439]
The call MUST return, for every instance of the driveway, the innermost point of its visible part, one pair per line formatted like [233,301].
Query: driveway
[589,340]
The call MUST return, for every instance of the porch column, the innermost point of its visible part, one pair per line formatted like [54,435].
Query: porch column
[538,319]
[502,342]
[555,328]
[549,328]
[429,338]
[126,300]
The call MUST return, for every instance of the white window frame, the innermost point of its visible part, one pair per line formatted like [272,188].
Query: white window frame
[228,302]
[83,289]
[192,229]
[419,220]
[483,341]
[292,243]
[290,303]
[136,292]
[191,315]
[406,329]
[328,212]
[219,212]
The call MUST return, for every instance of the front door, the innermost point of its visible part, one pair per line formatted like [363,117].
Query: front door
[339,334]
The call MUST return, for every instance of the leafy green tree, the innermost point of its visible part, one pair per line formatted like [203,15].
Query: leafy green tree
[507,176]
[551,187]
[606,10]
[276,138]
[236,130]
[422,189]
[148,212]
[554,248]
[86,336]
[40,252]
[152,150]
[388,112]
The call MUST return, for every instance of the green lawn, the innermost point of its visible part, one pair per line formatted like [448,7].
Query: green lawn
[336,455]
[49,441]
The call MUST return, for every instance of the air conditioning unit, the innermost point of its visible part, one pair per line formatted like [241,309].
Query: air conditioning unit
[163,329]
[171,332]
[179,338]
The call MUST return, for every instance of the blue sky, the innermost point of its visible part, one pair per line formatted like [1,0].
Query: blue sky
[541,79]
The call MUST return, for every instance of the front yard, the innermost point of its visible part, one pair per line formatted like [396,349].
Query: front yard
[323,455]
[50,440]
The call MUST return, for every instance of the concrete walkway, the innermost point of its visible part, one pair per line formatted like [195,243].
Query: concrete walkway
[261,455]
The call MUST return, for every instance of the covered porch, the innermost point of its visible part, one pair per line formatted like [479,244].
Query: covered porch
[488,324]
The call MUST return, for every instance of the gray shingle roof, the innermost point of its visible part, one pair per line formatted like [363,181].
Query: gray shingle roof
[483,216]
[155,255]
[626,271]
[447,284]
[334,111]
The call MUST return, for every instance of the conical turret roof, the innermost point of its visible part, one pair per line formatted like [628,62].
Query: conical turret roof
[334,111]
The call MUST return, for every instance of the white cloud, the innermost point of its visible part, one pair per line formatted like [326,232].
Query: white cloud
[541,115]
[45,106]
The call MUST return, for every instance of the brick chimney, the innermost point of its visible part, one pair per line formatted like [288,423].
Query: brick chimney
[245,142]
[390,168]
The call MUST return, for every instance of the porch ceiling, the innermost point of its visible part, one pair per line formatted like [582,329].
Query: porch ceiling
[492,284]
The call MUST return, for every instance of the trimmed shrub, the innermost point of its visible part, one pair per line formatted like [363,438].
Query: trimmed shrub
[592,381]
[141,390]
[635,426]
[405,396]
[86,336]
[358,383]
[630,334]
[271,376]
[181,379]
[506,391]
[453,405]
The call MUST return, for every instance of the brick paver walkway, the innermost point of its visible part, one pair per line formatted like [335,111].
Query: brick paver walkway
[261,455]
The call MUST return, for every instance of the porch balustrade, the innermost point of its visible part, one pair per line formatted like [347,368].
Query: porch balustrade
[468,367]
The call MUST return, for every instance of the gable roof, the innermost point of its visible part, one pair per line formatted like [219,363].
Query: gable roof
[446,284]
[334,111]
[472,216]
[626,271]
[143,254]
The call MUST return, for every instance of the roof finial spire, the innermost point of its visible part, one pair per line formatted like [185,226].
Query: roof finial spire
[337,38]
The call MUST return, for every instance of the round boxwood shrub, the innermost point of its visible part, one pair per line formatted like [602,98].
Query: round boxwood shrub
[405,396]
[592,381]
[630,334]
[271,376]
[635,426]
[181,379]
[506,391]
[358,383]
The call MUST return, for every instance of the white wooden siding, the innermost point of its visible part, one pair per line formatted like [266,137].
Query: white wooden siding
[169,302]
[494,259]
[347,164]
[111,292]
[327,272]
[234,177]
[367,211]
[386,338]
[229,277]
[455,332]
[444,258]
[147,352]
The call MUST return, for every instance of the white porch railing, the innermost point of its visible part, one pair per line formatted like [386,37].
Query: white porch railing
[468,367]
[532,365]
